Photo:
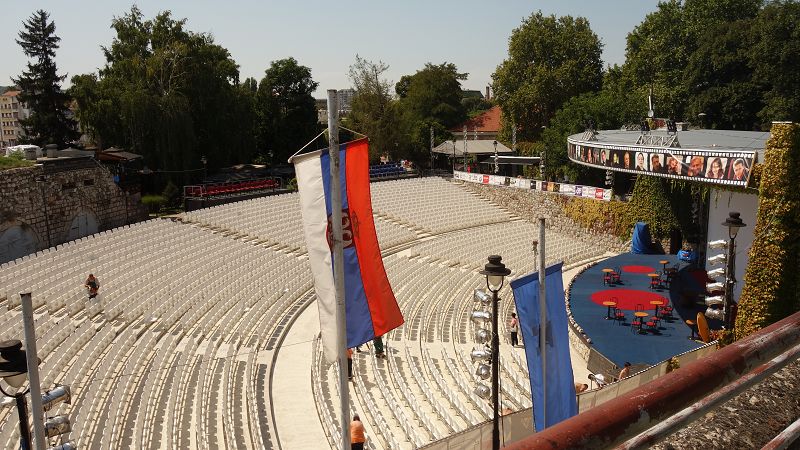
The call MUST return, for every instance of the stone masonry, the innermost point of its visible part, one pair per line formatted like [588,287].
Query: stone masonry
[79,197]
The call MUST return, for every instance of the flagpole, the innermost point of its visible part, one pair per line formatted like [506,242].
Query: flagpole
[542,319]
[338,263]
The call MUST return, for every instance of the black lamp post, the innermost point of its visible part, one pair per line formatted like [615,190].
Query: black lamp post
[733,222]
[454,156]
[496,165]
[495,272]
[14,370]
[205,172]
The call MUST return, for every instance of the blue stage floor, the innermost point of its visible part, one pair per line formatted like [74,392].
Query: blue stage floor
[615,339]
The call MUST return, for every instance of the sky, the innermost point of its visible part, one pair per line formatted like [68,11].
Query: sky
[325,35]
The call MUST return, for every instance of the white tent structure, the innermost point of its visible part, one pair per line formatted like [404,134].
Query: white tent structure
[473,147]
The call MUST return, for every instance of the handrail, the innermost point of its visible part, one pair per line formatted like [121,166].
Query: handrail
[618,420]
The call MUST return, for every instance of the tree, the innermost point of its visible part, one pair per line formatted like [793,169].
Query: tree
[775,59]
[287,114]
[40,83]
[170,94]
[373,113]
[433,94]
[550,60]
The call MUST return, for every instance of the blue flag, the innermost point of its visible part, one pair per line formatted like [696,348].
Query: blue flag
[561,402]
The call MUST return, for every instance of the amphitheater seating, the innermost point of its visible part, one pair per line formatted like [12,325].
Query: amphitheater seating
[176,351]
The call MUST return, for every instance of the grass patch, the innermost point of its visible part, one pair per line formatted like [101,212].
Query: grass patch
[12,163]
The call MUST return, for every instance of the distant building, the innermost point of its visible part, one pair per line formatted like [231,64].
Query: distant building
[11,111]
[344,98]
[484,126]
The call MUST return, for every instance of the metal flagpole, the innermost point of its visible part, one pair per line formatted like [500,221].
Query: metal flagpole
[431,150]
[338,263]
[542,319]
[465,148]
[33,371]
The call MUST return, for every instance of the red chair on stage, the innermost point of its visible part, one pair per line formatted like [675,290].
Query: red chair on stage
[616,275]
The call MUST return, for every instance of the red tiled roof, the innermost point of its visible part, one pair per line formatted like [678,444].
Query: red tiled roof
[11,93]
[487,122]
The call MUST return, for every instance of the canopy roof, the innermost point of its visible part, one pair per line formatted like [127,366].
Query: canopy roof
[479,147]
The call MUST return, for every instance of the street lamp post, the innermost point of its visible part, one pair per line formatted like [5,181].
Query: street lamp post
[496,165]
[495,272]
[14,370]
[205,172]
[733,222]
[454,156]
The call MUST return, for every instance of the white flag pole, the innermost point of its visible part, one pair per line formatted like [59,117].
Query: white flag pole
[338,263]
[542,319]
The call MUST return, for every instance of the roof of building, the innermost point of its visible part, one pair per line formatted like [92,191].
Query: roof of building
[480,147]
[486,122]
[711,140]
[11,93]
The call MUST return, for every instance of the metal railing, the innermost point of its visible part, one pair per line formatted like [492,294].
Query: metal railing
[673,398]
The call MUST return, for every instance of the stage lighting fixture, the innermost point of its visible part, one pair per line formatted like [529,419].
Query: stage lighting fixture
[711,287]
[718,272]
[482,336]
[715,300]
[481,354]
[719,244]
[69,445]
[716,314]
[57,425]
[55,396]
[481,316]
[479,295]
[483,391]
[716,259]
[483,371]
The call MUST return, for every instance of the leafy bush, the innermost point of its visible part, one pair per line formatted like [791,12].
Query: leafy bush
[14,161]
[154,203]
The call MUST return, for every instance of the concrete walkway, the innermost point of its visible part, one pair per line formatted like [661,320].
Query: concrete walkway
[296,418]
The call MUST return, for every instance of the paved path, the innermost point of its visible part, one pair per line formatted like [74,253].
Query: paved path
[296,417]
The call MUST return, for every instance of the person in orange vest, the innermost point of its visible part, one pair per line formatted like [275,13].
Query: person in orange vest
[357,438]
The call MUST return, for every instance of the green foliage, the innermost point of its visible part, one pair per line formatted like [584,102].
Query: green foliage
[771,284]
[550,60]
[169,94]
[433,94]
[602,217]
[153,203]
[41,85]
[292,185]
[432,97]
[606,109]
[775,59]
[650,203]
[13,161]
[287,114]
[372,110]
[171,193]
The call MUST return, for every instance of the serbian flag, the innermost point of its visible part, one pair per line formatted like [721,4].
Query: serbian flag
[371,309]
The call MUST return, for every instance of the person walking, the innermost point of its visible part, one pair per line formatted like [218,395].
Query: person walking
[357,438]
[626,371]
[378,343]
[350,364]
[92,285]
[513,326]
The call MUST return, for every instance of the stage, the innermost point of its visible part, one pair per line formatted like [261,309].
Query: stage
[616,339]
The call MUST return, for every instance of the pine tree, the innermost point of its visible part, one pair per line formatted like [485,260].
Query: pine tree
[50,120]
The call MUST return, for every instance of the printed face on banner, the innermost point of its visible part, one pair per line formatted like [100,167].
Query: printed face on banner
[695,166]
[738,170]
[656,163]
[641,164]
[715,167]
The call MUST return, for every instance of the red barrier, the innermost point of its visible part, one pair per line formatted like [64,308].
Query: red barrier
[626,416]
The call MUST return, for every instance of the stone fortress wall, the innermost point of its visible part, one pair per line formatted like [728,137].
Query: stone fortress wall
[71,199]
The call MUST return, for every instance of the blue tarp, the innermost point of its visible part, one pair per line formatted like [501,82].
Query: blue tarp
[561,402]
[641,244]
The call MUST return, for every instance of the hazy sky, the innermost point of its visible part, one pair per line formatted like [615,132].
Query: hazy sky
[326,35]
